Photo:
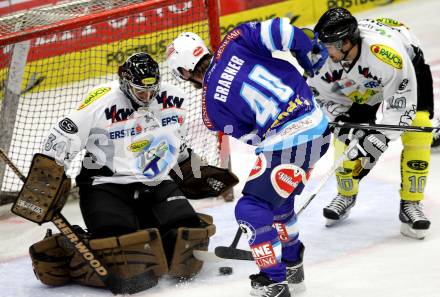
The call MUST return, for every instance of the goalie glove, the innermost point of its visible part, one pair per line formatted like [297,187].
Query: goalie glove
[370,145]
[198,180]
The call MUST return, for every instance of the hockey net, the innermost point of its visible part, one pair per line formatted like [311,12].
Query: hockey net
[51,58]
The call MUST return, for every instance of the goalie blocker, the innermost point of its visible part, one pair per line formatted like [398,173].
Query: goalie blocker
[44,192]
[136,256]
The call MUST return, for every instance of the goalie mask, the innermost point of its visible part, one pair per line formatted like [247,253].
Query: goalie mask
[139,78]
[185,52]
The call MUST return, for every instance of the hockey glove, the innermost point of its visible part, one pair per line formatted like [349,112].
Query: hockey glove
[312,61]
[370,146]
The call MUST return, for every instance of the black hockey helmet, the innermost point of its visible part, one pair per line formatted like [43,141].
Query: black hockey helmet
[139,78]
[337,24]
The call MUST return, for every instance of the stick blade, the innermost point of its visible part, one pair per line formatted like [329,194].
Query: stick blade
[233,253]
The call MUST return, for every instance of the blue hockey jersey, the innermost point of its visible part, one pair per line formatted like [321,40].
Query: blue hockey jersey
[261,100]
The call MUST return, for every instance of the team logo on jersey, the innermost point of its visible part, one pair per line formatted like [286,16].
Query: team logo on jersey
[172,120]
[389,22]
[333,76]
[117,115]
[124,132]
[68,126]
[388,55]
[169,101]
[93,96]
[285,179]
[361,98]
[259,167]
[365,71]
[247,230]
[138,146]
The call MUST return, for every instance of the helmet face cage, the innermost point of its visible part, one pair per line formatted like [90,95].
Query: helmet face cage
[336,44]
[139,76]
[335,25]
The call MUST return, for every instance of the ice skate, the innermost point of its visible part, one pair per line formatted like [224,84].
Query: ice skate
[262,286]
[295,277]
[295,274]
[338,209]
[414,221]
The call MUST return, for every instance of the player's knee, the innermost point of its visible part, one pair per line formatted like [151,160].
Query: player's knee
[253,211]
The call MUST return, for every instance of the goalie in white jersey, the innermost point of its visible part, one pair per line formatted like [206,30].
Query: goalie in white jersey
[134,205]
[376,67]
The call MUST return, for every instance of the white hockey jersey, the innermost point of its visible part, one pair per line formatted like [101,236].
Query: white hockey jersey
[383,73]
[137,146]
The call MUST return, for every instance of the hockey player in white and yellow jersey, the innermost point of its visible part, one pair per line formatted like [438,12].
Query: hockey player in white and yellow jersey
[376,73]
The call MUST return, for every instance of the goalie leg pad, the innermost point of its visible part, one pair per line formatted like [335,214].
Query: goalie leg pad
[137,258]
[50,261]
[183,263]
[44,192]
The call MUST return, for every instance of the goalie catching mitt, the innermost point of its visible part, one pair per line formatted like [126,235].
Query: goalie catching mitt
[44,192]
[198,180]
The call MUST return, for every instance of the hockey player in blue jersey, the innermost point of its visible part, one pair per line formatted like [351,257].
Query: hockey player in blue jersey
[263,101]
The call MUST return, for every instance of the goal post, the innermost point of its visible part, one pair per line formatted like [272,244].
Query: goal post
[50,58]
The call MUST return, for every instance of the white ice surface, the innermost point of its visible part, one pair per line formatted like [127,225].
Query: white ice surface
[364,256]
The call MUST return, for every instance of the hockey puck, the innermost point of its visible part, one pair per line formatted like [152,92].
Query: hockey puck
[226,270]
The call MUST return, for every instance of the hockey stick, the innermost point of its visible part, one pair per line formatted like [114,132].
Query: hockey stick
[114,284]
[224,252]
[232,252]
[383,127]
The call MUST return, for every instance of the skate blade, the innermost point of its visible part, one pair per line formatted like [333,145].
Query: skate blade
[297,288]
[331,222]
[406,230]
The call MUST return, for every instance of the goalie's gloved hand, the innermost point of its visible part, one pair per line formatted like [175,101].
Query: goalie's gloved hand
[197,180]
[370,144]
[313,60]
